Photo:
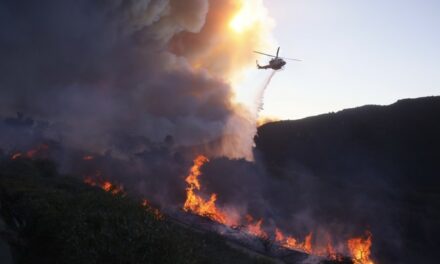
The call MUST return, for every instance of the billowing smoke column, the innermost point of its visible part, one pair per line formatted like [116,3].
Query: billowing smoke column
[102,70]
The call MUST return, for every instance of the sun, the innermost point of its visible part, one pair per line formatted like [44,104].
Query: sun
[245,18]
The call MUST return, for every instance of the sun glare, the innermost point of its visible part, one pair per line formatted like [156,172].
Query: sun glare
[245,18]
[248,28]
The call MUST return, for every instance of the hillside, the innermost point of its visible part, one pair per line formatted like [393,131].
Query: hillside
[373,168]
[53,218]
[377,165]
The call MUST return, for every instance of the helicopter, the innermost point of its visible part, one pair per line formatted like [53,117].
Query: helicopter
[276,63]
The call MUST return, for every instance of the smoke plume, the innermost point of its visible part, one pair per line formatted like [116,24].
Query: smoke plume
[105,70]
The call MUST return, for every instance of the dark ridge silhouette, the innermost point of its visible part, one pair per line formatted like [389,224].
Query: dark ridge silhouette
[376,164]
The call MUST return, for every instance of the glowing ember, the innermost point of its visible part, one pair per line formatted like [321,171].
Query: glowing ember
[105,185]
[195,203]
[16,156]
[88,157]
[156,212]
[360,249]
[32,153]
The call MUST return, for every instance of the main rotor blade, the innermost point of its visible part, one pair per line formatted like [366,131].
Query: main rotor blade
[264,54]
[290,59]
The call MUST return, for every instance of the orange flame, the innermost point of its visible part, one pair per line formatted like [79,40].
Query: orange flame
[307,246]
[360,249]
[279,236]
[30,154]
[195,203]
[331,253]
[254,227]
[105,185]
[292,243]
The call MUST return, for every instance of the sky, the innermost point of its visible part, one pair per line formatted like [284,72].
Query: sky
[354,53]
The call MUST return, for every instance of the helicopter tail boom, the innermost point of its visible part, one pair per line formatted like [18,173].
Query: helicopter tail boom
[262,67]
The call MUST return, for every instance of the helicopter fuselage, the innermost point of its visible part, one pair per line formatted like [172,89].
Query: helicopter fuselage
[275,64]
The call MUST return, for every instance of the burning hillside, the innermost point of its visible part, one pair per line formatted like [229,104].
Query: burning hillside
[244,230]
[357,248]
[249,206]
[58,219]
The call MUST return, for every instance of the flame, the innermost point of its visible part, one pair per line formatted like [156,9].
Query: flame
[279,236]
[197,204]
[292,243]
[254,227]
[307,246]
[360,249]
[156,212]
[331,253]
[32,153]
[103,184]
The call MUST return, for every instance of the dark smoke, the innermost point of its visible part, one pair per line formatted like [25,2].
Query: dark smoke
[114,79]
[101,69]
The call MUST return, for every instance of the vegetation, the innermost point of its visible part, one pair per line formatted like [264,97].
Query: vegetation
[57,219]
